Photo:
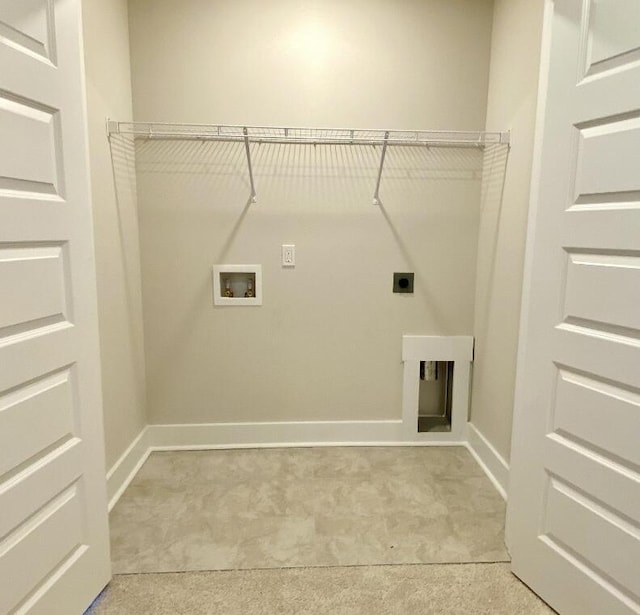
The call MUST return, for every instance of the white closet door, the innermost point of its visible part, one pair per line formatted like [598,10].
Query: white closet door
[573,522]
[54,551]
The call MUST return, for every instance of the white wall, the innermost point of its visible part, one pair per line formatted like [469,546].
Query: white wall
[108,75]
[309,352]
[326,344]
[513,88]
[363,63]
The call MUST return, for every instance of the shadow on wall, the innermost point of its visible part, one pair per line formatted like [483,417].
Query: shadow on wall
[325,179]
[491,202]
[122,149]
[435,184]
[335,164]
[329,178]
[193,213]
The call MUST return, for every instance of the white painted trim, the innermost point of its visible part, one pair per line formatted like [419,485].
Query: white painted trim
[532,216]
[489,459]
[519,400]
[437,348]
[417,348]
[287,434]
[124,470]
[214,436]
[228,447]
[294,433]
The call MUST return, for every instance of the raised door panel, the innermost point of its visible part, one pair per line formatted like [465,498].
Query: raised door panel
[612,34]
[54,551]
[36,164]
[574,509]
[28,26]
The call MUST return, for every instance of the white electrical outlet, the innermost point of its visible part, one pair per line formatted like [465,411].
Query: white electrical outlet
[288,255]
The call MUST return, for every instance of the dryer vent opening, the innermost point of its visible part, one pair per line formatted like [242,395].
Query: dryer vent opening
[435,396]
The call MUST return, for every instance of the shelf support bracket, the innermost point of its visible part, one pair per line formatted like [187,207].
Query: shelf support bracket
[376,195]
[253,198]
[113,127]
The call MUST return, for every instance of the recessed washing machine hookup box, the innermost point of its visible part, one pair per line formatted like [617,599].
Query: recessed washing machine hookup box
[237,285]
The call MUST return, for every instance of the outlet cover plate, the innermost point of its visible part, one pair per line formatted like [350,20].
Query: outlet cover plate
[288,255]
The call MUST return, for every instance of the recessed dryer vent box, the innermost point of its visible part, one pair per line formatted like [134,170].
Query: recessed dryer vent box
[237,285]
[435,397]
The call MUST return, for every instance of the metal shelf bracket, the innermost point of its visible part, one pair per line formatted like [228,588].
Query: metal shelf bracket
[376,195]
[253,198]
[113,127]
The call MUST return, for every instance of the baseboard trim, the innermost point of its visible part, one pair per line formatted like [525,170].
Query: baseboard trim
[493,464]
[283,434]
[212,436]
[124,470]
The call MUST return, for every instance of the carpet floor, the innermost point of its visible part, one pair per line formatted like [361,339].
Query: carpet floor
[443,589]
[299,507]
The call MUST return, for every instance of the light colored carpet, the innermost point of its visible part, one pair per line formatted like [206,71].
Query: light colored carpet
[274,508]
[372,590]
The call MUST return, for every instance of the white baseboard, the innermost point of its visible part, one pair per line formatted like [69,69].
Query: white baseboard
[494,465]
[123,471]
[281,434]
[290,434]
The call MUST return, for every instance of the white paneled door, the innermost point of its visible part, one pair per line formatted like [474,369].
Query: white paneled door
[54,553]
[573,523]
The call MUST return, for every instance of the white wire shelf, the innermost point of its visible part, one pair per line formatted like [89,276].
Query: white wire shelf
[308,136]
